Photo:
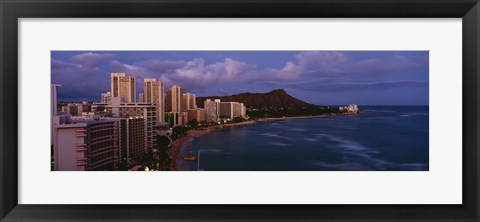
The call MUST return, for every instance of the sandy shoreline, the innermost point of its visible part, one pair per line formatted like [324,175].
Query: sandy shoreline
[178,144]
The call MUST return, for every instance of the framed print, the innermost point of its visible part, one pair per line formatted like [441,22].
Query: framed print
[268,110]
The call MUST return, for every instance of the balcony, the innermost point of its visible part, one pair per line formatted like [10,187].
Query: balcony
[81,163]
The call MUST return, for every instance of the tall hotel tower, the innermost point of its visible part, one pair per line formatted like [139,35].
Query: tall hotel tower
[189,102]
[154,93]
[173,101]
[123,86]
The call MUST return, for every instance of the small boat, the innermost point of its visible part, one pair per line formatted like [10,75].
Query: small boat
[190,156]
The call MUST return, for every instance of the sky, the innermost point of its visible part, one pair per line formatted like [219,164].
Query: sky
[317,77]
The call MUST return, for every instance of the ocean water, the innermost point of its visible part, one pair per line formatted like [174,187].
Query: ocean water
[383,138]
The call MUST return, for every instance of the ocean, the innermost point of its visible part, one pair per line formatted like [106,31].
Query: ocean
[383,138]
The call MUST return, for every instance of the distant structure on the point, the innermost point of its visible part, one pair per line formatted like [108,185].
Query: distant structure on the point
[353,108]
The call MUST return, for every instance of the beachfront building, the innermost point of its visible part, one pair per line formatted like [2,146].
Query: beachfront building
[211,110]
[183,118]
[231,110]
[189,101]
[141,99]
[105,97]
[85,146]
[197,114]
[243,111]
[173,100]
[123,86]
[226,110]
[154,93]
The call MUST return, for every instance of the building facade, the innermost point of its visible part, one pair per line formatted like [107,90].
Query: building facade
[53,107]
[136,110]
[105,97]
[123,86]
[131,139]
[86,146]
[197,114]
[212,110]
[173,100]
[189,101]
[154,93]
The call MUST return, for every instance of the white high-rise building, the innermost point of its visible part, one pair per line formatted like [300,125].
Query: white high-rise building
[123,86]
[212,109]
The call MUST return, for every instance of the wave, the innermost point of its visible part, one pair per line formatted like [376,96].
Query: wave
[271,135]
[358,157]
[380,111]
[279,144]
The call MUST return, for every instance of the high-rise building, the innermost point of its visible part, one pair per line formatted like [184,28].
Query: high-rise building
[141,99]
[226,110]
[231,110]
[237,109]
[131,139]
[123,86]
[154,93]
[105,97]
[83,146]
[53,107]
[188,101]
[212,110]
[145,111]
[243,111]
[173,101]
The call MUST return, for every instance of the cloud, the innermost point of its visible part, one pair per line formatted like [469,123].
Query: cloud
[78,81]
[91,59]
[161,66]
[325,71]
[321,58]
[332,86]
[129,69]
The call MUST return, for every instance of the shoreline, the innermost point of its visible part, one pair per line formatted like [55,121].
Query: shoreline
[177,146]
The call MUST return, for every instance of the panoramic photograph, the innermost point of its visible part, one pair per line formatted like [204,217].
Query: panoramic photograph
[239,111]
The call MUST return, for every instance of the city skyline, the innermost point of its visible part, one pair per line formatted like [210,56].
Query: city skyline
[317,77]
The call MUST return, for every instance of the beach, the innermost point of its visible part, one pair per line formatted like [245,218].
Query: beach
[178,144]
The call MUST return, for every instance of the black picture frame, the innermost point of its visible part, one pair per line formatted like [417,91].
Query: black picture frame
[11,11]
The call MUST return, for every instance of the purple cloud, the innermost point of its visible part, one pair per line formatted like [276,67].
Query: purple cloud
[91,59]
[330,86]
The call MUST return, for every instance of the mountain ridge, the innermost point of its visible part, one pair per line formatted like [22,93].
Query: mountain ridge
[274,98]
